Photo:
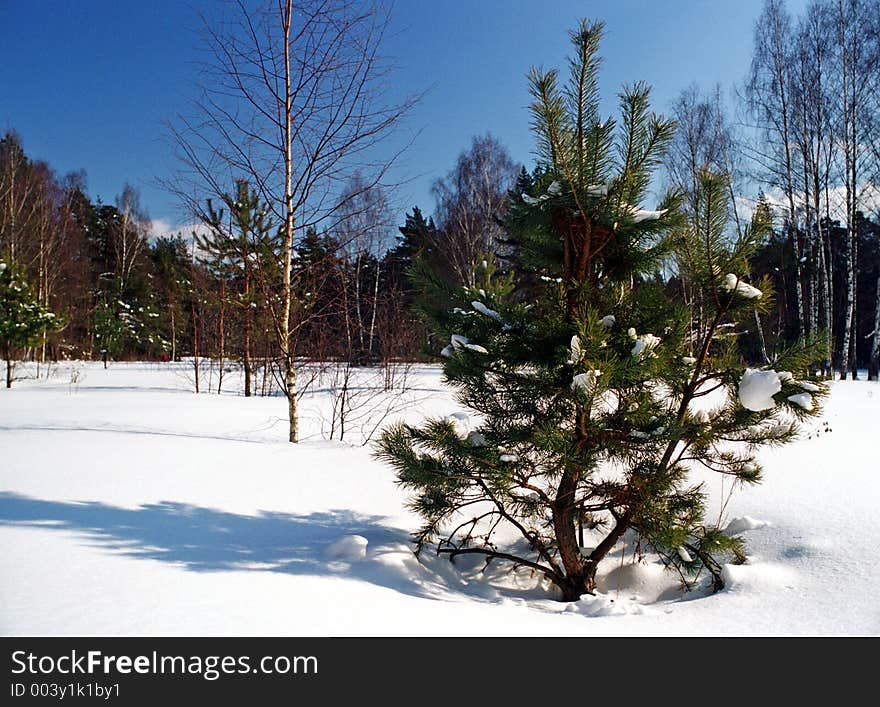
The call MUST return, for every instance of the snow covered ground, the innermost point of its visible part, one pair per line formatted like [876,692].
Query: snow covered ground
[131,506]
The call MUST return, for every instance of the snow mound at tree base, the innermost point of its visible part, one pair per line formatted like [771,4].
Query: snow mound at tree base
[644,582]
[350,548]
[607,605]
[744,523]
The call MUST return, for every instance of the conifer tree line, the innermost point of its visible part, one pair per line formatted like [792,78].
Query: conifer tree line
[801,149]
[116,291]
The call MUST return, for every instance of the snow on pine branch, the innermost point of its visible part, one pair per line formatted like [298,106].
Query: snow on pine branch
[737,286]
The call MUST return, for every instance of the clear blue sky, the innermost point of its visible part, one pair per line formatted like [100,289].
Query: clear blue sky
[88,83]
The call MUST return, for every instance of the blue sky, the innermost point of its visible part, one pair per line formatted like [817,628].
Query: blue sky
[88,83]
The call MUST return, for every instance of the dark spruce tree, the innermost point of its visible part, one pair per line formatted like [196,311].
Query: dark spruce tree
[594,403]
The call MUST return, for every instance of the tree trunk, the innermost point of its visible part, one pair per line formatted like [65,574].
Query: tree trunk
[173,335]
[798,283]
[194,314]
[785,120]
[760,329]
[847,106]
[286,352]
[357,301]
[267,354]
[290,389]
[849,307]
[566,512]
[195,343]
[8,354]
[221,333]
[246,357]
[874,361]
[375,306]
[814,289]
[854,363]
[827,313]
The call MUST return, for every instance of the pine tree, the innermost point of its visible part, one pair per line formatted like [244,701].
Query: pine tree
[595,400]
[120,323]
[111,326]
[418,239]
[232,249]
[22,318]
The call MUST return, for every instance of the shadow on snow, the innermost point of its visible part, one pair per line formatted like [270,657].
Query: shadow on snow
[208,540]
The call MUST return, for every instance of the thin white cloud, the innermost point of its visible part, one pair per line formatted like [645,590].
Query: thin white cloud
[163,227]
[869,203]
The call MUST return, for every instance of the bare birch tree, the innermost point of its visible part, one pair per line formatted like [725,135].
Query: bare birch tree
[295,100]
[815,143]
[364,233]
[858,60]
[471,201]
[768,93]
[132,232]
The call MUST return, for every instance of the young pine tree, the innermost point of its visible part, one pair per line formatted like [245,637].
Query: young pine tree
[232,250]
[593,402]
[22,318]
[111,328]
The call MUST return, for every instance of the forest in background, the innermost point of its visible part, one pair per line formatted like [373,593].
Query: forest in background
[802,141]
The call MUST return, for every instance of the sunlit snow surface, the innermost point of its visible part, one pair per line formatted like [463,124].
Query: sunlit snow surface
[131,506]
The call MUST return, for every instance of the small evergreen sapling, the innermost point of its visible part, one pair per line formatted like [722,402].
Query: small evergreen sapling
[22,318]
[593,402]
[233,251]
[118,323]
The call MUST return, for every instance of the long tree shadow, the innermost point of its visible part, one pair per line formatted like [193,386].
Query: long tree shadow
[106,429]
[204,540]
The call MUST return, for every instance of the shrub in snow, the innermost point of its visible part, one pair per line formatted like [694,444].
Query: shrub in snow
[23,320]
[550,426]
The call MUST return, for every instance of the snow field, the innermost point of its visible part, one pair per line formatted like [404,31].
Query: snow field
[131,506]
